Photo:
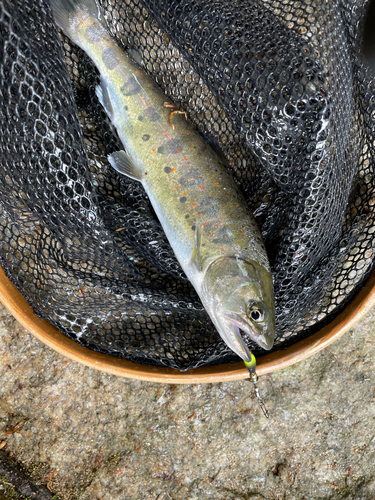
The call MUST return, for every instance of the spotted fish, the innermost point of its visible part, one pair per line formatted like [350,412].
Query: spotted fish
[207,222]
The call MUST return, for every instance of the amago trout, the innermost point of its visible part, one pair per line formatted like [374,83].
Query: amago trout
[206,220]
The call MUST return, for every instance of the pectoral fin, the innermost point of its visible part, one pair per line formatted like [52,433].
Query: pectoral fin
[122,162]
[196,257]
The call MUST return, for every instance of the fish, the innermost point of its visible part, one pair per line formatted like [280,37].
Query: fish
[204,215]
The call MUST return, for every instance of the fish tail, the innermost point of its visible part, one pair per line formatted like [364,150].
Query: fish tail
[69,15]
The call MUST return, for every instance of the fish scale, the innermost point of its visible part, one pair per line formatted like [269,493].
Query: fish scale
[205,218]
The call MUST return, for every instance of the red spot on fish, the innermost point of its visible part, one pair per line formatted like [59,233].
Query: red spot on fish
[201,187]
[185,158]
[218,224]
[218,183]
[172,169]
[184,192]
[242,231]
[198,213]
[193,204]
[138,72]
[222,249]
[177,187]
[234,204]
[179,150]
[153,150]
[80,291]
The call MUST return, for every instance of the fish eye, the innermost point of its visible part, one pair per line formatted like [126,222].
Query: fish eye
[255,312]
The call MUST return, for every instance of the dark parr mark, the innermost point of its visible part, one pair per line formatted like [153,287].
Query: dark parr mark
[171,147]
[183,199]
[150,115]
[167,170]
[187,216]
[130,87]
[193,228]
[145,137]
[110,59]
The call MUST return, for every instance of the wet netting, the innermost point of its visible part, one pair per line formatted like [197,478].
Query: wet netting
[282,89]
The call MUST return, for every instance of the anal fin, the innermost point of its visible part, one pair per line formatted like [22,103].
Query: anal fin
[122,162]
[104,98]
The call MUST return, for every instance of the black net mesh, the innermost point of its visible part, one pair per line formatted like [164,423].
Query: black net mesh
[280,87]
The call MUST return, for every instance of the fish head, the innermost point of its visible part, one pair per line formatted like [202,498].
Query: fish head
[239,298]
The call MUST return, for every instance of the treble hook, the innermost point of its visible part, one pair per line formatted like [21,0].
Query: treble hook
[251,366]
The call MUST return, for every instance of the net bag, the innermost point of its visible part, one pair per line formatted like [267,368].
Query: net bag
[279,87]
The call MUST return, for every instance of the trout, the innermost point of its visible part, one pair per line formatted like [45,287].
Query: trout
[205,218]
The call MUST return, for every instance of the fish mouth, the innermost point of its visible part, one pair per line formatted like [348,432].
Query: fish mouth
[242,328]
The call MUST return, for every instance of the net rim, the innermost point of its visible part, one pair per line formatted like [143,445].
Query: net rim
[20,309]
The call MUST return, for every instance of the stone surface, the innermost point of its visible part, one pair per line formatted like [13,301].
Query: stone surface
[88,435]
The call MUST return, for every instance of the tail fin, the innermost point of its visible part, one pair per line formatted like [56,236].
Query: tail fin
[69,14]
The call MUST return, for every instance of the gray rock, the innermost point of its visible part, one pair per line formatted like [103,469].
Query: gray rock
[89,435]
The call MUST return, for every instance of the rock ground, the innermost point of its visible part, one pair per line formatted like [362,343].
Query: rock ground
[88,435]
